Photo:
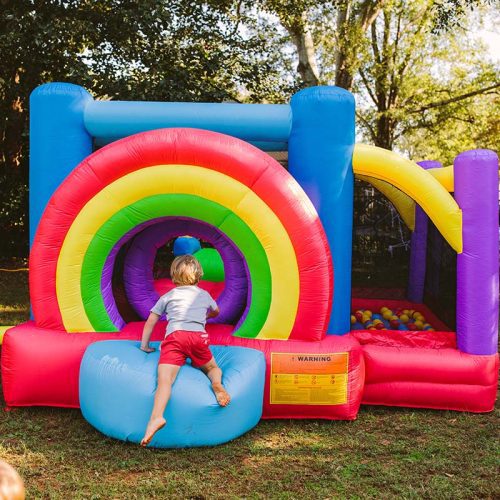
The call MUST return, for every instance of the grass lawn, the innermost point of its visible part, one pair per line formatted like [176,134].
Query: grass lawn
[386,453]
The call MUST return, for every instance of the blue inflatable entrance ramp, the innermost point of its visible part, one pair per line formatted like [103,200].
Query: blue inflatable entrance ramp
[118,382]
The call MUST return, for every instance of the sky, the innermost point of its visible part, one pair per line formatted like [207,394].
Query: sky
[492,40]
[490,34]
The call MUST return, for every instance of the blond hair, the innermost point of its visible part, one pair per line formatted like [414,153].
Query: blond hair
[186,270]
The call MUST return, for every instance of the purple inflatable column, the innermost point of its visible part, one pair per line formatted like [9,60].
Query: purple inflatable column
[418,248]
[476,192]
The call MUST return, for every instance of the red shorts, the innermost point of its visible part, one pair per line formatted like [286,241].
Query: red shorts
[182,344]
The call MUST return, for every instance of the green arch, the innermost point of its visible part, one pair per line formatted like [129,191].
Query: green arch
[180,205]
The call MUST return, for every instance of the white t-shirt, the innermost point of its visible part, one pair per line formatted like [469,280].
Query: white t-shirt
[186,308]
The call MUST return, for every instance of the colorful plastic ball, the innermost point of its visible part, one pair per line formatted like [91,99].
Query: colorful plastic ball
[368,313]
[387,314]
[412,327]
[419,324]
[358,315]
[394,323]
[353,319]
[404,318]
[377,316]
[380,326]
[403,327]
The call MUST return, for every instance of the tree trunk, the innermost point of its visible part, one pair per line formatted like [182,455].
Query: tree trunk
[301,35]
[352,23]
[384,136]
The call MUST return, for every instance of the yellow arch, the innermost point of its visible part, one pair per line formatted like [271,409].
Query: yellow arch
[401,201]
[182,179]
[445,177]
[417,183]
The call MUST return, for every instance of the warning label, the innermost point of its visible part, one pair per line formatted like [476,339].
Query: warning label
[308,379]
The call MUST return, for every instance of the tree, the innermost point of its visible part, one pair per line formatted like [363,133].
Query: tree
[313,25]
[402,82]
[176,50]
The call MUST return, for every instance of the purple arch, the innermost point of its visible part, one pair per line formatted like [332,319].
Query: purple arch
[138,267]
[418,248]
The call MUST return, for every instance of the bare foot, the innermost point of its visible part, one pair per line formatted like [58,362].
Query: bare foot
[221,394]
[153,427]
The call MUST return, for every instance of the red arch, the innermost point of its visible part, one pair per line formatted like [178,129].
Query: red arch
[215,151]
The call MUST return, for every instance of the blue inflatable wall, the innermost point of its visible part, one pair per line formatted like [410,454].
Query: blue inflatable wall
[320,158]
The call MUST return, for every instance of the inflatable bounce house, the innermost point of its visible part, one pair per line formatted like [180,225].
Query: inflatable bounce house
[115,181]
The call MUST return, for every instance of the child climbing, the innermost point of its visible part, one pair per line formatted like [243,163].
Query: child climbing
[187,308]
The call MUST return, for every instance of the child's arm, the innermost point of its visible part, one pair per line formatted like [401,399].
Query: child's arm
[212,313]
[148,330]
[213,308]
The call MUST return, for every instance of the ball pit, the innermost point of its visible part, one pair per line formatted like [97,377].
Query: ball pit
[389,319]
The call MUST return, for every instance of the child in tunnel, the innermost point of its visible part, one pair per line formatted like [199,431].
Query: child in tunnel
[187,308]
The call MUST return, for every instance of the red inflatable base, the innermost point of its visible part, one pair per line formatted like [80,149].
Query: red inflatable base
[302,376]
[425,370]
[40,367]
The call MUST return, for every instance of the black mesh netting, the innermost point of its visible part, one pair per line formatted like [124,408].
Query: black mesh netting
[440,290]
[381,241]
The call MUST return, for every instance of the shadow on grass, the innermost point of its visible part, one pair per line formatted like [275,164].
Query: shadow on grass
[388,451]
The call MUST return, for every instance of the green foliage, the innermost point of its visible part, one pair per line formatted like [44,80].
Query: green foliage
[418,90]
[450,13]
[428,95]
[128,49]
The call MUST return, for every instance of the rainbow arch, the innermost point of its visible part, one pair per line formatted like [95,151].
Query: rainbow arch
[204,176]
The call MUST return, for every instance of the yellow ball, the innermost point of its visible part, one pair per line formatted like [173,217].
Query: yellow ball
[404,318]
[368,313]
[353,319]
[419,324]
[387,314]
[394,317]
[382,309]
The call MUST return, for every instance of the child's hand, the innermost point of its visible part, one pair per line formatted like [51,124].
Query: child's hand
[147,348]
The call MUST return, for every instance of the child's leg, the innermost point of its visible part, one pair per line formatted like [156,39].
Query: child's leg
[214,373]
[166,378]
